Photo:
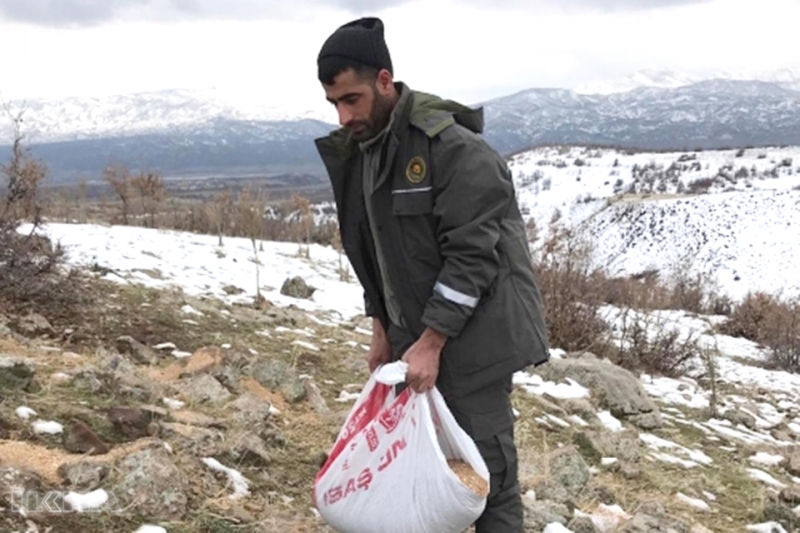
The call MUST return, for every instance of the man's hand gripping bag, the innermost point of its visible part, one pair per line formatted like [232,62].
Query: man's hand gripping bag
[387,471]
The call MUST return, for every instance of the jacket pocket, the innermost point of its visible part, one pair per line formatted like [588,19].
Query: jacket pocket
[407,202]
[416,237]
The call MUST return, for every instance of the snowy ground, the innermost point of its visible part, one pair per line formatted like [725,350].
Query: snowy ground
[199,266]
[637,212]
[196,264]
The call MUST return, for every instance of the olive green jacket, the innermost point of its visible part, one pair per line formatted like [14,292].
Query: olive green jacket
[454,240]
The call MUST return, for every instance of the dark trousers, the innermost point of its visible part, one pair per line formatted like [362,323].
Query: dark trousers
[487,417]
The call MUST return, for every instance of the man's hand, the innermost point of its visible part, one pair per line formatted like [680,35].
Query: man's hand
[380,351]
[423,360]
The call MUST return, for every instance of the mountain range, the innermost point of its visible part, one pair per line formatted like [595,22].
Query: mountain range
[197,133]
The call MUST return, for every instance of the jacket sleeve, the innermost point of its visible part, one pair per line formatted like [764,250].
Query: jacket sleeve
[472,193]
[369,309]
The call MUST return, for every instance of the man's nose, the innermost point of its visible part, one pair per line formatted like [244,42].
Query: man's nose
[345,115]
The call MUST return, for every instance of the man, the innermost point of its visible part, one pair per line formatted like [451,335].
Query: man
[429,221]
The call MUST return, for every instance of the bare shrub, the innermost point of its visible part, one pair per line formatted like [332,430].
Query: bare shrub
[771,321]
[119,178]
[149,187]
[570,292]
[576,298]
[700,186]
[31,273]
[648,344]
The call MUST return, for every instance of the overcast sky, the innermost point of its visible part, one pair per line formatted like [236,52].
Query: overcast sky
[469,50]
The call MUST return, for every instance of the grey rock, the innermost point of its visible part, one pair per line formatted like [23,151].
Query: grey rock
[540,513]
[781,514]
[194,437]
[203,389]
[250,410]
[624,447]
[5,426]
[248,448]
[15,373]
[277,375]
[32,325]
[790,495]
[15,482]
[232,290]
[83,476]
[241,515]
[794,464]
[605,495]
[568,475]
[740,417]
[549,406]
[132,423]
[630,471]
[154,483]
[136,388]
[644,523]
[580,407]
[647,420]
[136,350]
[582,524]
[651,507]
[616,389]
[650,517]
[93,381]
[297,287]
[314,396]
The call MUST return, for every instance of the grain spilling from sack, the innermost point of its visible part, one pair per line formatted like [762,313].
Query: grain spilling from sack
[469,477]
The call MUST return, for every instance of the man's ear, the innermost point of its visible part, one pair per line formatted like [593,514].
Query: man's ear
[385,82]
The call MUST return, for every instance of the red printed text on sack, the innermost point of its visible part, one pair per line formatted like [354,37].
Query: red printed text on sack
[340,492]
[391,454]
[372,439]
[354,423]
[391,417]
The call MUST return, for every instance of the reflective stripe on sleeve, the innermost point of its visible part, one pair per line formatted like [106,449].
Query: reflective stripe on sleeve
[455,296]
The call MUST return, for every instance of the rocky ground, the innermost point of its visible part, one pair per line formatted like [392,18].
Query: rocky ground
[194,415]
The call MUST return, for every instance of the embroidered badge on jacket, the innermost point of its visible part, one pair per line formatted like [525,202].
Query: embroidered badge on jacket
[415,171]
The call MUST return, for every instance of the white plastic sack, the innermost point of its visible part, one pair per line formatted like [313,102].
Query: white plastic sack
[388,471]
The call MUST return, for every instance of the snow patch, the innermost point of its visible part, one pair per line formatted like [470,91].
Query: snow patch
[241,486]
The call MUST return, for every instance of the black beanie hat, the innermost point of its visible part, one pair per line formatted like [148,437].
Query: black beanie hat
[360,40]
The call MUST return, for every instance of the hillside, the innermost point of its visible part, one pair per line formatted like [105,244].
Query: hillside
[732,215]
[219,417]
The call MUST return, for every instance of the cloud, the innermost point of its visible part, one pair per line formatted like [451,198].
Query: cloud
[76,13]
[599,5]
[64,12]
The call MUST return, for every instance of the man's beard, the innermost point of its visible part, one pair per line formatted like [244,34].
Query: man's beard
[379,116]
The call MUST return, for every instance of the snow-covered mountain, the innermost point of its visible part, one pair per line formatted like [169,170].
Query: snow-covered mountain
[128,115]
[668,79]
[733,215]
[707,114]
[207,132]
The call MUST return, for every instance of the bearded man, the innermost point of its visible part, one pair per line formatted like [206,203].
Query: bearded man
[430,223]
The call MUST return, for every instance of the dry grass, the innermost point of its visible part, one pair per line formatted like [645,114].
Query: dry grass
[296,455]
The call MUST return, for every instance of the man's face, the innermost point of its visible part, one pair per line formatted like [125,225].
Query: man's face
[363,105]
